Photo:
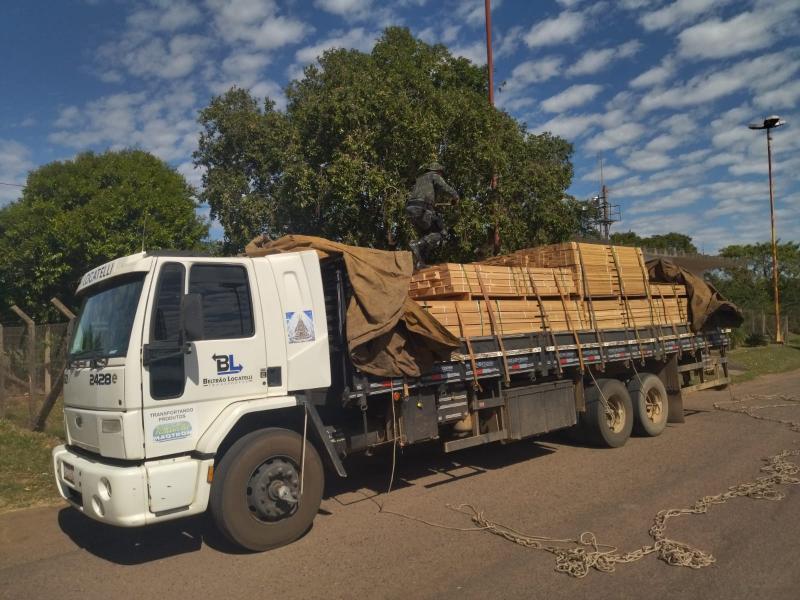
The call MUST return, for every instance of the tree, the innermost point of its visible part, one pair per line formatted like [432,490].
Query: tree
[76,214]
[669,242]
[748,281]
[338,162]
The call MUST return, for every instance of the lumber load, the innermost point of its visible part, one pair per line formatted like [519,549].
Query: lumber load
[464,281]
[600,267]
[471,318]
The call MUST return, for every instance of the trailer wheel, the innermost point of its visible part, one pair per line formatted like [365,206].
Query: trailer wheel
[650,404]
[610,428]
[255,496]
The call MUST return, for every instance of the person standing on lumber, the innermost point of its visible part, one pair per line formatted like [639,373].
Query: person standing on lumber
[421,212]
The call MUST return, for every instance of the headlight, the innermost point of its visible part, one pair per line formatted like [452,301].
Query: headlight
[112,426]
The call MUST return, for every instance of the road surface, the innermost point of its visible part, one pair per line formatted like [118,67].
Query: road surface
[548,487]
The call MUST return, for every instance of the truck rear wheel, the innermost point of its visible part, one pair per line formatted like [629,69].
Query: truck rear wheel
[608,419]
[650,404]
[255,496]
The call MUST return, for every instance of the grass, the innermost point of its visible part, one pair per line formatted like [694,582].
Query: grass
[26,474]
[761,360]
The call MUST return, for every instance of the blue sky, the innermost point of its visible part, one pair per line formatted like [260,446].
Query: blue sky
[663,90]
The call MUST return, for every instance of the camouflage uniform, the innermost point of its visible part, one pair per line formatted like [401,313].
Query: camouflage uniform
[421,212]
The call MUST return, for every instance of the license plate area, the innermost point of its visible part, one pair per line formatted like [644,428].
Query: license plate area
[68,472]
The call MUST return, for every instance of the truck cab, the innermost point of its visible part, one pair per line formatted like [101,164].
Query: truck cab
[168,355]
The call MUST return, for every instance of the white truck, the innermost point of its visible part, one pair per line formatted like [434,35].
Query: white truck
[198,383]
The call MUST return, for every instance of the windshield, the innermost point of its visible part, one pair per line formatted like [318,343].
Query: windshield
[106,318]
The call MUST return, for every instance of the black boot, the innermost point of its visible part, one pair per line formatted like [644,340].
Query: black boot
[419,261]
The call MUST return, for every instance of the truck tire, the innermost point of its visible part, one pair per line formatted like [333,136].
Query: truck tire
[255,493]
[609,429]
[650,404]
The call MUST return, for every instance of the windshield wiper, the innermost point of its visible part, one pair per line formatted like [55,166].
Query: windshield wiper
[91,355]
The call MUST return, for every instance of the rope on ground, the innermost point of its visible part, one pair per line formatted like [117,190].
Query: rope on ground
[577,557]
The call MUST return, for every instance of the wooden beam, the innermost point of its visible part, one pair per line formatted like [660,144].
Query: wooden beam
[62,308]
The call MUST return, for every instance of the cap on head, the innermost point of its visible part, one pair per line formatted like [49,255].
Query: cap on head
[435,166]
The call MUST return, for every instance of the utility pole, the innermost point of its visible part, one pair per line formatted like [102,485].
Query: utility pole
[768,124]
[490,69]
[489,61]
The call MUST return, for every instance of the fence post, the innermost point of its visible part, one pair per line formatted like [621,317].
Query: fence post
[763,323]
[48,341]
[31,326]
[2,376]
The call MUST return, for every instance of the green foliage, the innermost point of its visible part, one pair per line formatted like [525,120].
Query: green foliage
[668,241]
[748,281]
[25,463]
[339,161]
[77,214]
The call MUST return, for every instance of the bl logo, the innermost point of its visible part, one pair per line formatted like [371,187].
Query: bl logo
[226,365]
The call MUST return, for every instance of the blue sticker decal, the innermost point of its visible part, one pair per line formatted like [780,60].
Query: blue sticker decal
[300,326]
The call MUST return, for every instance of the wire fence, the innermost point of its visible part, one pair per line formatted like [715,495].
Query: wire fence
[31,360]
[761,324]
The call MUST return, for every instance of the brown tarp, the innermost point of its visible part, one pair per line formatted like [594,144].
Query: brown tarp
[388,334]
[707,307]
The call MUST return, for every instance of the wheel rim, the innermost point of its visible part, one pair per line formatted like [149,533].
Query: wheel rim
[615,414]
[654,406]
[273,490]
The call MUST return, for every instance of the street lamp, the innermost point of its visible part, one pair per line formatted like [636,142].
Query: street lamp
[770,123]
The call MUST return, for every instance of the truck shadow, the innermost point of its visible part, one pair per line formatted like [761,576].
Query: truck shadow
[426,466]
[144,544]
[368,477]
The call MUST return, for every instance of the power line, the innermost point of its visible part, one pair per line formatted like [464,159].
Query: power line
[11,184]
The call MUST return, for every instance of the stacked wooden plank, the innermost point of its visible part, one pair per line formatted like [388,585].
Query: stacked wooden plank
[464,281]
[602,278]
[581,286]
[471,318]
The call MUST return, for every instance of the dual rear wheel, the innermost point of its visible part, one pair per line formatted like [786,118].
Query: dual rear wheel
[614,410]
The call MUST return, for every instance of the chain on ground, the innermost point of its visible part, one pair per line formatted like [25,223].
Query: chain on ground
[577,557]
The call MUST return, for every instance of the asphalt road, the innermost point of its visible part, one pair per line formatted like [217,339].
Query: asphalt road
[547,487]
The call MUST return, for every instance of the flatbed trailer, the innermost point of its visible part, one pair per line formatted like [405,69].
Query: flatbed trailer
[510,386]
[197,383]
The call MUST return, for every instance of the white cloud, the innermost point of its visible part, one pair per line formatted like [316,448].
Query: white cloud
[357,38]
[655,75]
[566,27]
[678,198]
[676,13]
[594,60]
[164,125]
[572,97]
[761,74]
[614,137]
[719,39]
[256,22]
[663,143]
[610,172]
[343,7]
[534,71]
[568,127]
[165,15]
[474,52]
[647,160]
[15,162]
[786,96]
[473,12]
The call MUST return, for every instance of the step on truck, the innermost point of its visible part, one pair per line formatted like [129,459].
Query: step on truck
[226,384]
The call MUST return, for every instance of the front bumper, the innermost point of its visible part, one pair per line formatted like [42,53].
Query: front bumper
[131,496]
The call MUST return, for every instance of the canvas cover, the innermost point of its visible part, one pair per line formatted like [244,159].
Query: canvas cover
[388,334]
[707,307]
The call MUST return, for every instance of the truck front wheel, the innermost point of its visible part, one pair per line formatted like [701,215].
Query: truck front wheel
[255,496]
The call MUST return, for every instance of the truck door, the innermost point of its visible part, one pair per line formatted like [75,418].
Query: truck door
[186,386]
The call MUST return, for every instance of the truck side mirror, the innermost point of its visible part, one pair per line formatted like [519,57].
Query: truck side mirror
[192,317]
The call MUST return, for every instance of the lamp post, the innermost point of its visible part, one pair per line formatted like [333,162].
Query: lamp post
[768,124]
